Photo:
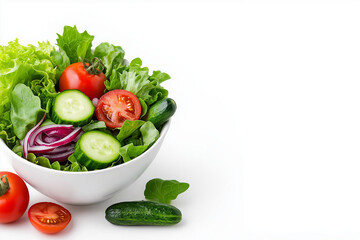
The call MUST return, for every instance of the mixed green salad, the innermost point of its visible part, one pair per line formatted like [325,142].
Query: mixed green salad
[78,108]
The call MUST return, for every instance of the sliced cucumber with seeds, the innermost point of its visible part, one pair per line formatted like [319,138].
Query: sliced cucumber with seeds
[72,107]
[96,150]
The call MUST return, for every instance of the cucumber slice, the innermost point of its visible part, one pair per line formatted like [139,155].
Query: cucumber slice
[72,107]
[96,150]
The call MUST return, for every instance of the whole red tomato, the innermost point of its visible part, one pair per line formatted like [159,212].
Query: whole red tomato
[90,80]
[14,197]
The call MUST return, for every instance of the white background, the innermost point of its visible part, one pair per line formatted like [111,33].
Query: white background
[267,130]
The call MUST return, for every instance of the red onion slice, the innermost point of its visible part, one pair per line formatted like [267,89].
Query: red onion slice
[60,157]
[95,101]
[28,135]
[40,149]
[61,132]
[49,128]
[67,139]
[78,136]
[64,148]
[48,139]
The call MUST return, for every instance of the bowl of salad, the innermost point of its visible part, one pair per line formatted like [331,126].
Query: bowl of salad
[80,123]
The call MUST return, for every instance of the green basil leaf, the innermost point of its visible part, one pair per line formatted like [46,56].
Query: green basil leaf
[164,191]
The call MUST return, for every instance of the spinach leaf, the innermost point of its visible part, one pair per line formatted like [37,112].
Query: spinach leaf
[128,128]
[76,45]
[92,125]
[149,133]
[136,137]
[164,191]
[130,151]
[26,110]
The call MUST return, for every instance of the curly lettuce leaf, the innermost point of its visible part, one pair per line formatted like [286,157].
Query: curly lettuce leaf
[6,130]
[136,79]
[159,77]
[23,64]
[61,60]
[110,55]
[26,110]
[44,162]
[164,191]
[76,45]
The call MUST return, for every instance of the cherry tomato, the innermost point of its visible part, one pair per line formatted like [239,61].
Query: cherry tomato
[48,217]
[14,198]
[76,77]
[116,106]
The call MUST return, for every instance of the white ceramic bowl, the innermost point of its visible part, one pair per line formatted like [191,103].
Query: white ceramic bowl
[82,188]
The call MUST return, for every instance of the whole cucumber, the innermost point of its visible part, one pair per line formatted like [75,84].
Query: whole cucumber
[161,111]
[142,213]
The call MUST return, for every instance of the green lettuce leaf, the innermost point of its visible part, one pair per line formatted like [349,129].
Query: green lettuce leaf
[159,77]
[26,110]
[6,130]
[44,162]
[110,55]
[23,64]
[144,107]
[76,45]
[61,60]
[18,149]
[136,79]
[164,191]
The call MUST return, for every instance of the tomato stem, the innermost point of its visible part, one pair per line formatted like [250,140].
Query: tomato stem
[92,66]
[4,186]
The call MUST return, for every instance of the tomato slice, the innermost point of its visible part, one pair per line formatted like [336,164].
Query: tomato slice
[49,217]
[116,106]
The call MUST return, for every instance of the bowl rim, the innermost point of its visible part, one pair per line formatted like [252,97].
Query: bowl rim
[163,132]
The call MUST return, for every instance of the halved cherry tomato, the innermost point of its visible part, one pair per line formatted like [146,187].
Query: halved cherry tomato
[48,217]
[116,106]
[76,77]
[14,198]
